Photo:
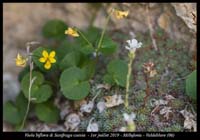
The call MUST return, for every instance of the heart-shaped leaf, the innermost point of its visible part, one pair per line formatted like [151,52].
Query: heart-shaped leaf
[71,59]
[117,72]
[39,92]
[11,114]
[54,29]
[108,46]
[47,112]
[14,113]
[73,84]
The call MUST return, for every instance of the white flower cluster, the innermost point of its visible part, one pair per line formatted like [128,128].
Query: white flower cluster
[133,45]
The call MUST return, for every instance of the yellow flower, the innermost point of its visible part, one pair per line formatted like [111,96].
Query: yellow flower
[20,61]
[71,32]
[120,14]
[48,59]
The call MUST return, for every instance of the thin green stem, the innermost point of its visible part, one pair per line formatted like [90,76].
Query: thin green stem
[83,36]
[30,85]
[102,34]
[29,100]
[126,103]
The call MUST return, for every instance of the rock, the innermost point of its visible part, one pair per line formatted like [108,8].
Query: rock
[188,13]
[92,126]
[72,121]
[87,107]
[101,106]
[10,87]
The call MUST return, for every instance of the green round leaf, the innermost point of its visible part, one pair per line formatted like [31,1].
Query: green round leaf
[83,46]
[93,34]
[73,85]
[37,54]
[43,93]
[191,85]
[63,49]
[47,112]
[117,72]
[21,104]
[11,114]
[26,80]
[71,59]
[108,46]
[89,68]
[86,49]
[14,114]
[54,29]
[108,79]
[40,92]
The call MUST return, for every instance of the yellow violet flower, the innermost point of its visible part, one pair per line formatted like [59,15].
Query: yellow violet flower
[20,61]
[71,32]
[48,59]
[121,14]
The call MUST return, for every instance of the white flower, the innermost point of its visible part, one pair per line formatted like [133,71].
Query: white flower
[133,45]
[122,129]
[129,118]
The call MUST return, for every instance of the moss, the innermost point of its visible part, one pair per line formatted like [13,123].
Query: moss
[152,129]
[173,128]
[83,125]
[142,119]
[174,57]
[139,97]
[177,104]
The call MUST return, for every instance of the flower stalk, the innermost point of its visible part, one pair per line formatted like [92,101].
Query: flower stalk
[103,32]
[131,58]
[83,36]
[132,46]
[31,81]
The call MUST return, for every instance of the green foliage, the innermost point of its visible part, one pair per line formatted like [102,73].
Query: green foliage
[47,112]
[108,46]
[93,35]
[10,113]
[152,129]
[54,29]
[75,66]
[116,73]
[191,85]
[71,59]
[37,54]
[177,103]
[108,79]
[84,47]
[89,68]
[173,128]
[40,92]
[142,119]
[73,84]
[139,97]
[13,113]
[64,48]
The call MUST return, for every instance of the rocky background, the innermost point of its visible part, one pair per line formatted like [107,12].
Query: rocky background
[22,22]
